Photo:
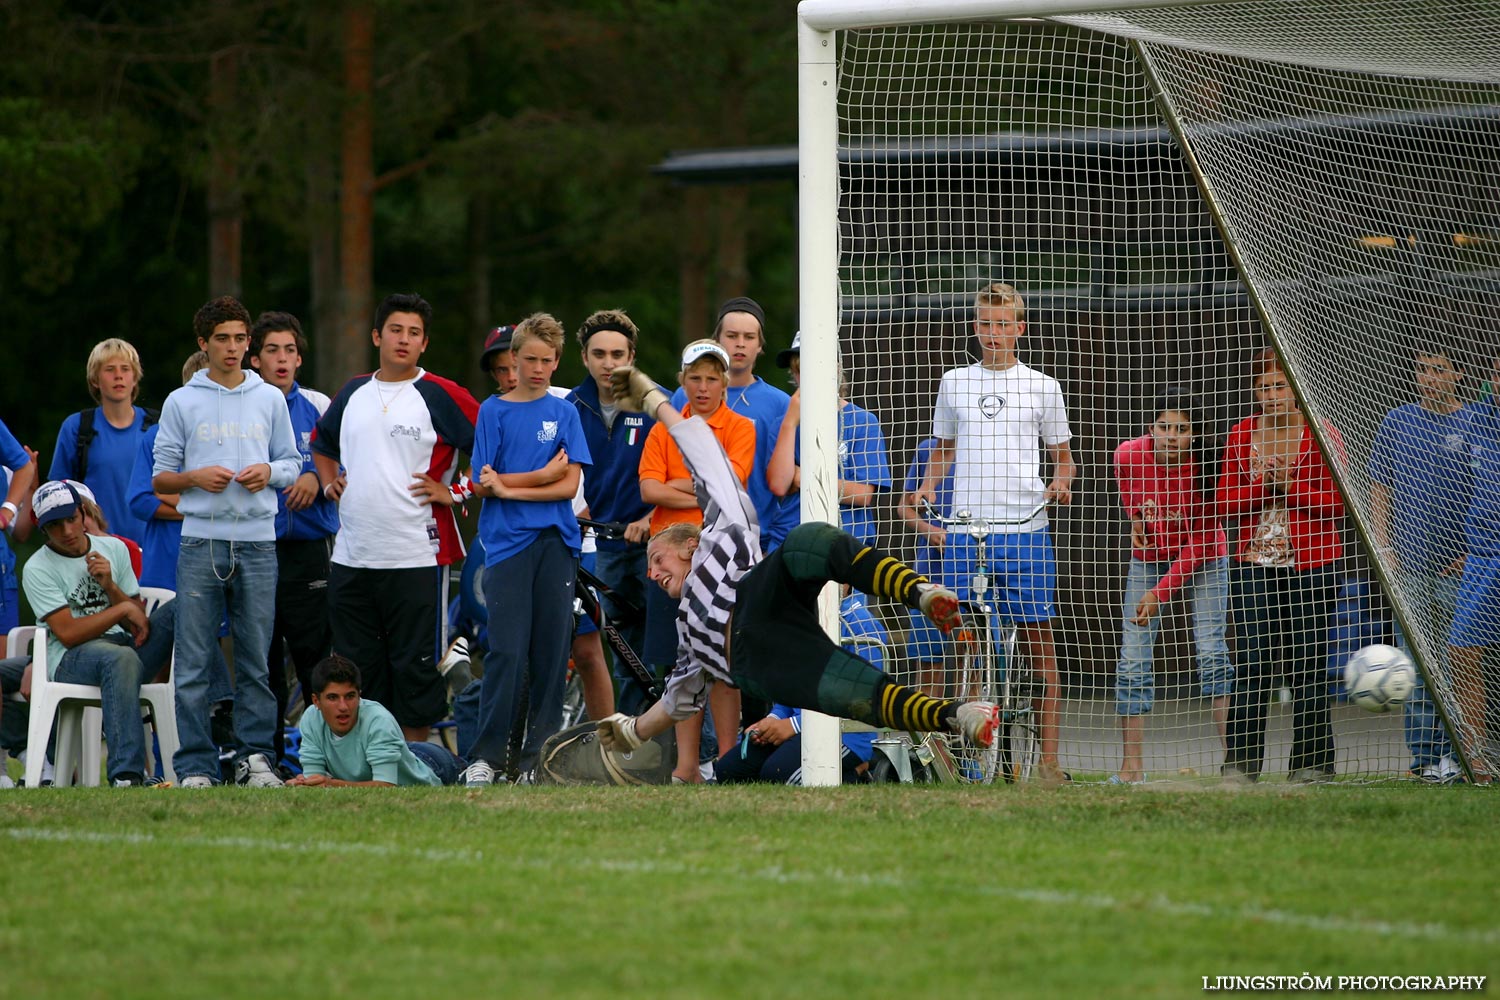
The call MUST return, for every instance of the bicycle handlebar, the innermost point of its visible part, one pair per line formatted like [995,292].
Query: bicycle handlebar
[605,529]
[963,521]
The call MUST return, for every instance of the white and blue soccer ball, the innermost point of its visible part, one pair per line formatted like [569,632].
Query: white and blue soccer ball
[1379,678]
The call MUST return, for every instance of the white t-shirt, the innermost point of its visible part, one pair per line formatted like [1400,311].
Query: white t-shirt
[998,421]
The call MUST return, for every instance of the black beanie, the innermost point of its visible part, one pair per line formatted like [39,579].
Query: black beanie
[742,304]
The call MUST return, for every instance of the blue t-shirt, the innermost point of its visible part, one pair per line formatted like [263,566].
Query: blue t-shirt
[14,458]
[766,405]
[519,437]
[1483,524]
[929,560]
[111,459]
[862,459]
[160,538]
[1424,459]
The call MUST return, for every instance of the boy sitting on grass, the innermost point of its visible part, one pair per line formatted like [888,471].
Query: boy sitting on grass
[348,741]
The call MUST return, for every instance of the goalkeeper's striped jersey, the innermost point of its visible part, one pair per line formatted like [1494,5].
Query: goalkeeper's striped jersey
[727,548]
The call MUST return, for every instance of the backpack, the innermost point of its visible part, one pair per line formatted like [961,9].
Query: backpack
[86,435]
[574,757]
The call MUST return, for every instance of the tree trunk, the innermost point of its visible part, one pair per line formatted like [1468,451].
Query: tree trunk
[322,207]
[356,189]
[694,315]
[482,318]
[226,204]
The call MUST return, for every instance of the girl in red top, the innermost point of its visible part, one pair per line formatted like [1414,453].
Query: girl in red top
[1176,543]
[1277,488]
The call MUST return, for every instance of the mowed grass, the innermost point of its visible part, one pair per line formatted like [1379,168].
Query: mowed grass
[729,892]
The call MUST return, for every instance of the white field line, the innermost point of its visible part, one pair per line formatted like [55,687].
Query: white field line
[782,876]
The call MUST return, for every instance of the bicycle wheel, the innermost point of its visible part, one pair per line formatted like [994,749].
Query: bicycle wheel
[573,709]
[1019,740]
[978,676]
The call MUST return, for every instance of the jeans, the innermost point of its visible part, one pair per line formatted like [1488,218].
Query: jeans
[1437,598]
[213,575]
[118,668]
[446,766]
[624,572]
[1208,589]
[1281,621]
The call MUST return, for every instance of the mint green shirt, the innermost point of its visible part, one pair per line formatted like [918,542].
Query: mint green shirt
[374,750]
[53,581]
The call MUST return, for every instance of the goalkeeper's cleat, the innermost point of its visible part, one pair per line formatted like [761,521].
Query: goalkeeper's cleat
[941,605]
[977,720]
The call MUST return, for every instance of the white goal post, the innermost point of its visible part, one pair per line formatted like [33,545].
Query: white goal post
[1175,188]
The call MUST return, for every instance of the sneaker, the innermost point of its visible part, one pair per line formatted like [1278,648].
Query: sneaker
[196,781]
[478,775]
[1445,772]
[458,652]
[1310,776]
[136,781]
[976,721]
[455,665]
[256,772]
[941,605]
[5,781]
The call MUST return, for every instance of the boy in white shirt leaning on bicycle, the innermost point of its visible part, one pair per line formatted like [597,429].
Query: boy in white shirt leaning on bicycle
[988,420]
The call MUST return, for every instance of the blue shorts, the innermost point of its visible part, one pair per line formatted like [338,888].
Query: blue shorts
[585,624]
[1022,573]
[1477,620]
[924,643]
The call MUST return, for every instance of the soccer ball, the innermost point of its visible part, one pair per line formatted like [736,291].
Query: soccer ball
[1378,678]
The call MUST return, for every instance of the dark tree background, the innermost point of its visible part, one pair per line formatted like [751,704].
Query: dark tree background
[315,155]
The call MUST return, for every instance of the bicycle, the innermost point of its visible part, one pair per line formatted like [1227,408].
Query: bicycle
[989,667]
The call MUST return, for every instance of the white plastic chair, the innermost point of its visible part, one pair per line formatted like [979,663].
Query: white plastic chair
[76,710]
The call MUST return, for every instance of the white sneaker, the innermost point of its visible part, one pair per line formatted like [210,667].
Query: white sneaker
[977,721]
[1445,772]
[196,781]
[458,652]
[256,772]
[478,775]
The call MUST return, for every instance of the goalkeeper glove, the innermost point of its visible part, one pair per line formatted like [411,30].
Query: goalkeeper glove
[617,733]
[941,605]
[634,390]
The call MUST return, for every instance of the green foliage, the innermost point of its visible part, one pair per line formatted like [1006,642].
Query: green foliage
[764,891]
[64,175]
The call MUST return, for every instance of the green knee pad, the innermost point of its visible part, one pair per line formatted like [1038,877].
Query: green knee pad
[807,548]
[847,688]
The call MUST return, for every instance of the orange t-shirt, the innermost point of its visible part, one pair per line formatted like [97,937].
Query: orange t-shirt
[661,459]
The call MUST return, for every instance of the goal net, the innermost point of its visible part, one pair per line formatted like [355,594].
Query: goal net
[1174,192]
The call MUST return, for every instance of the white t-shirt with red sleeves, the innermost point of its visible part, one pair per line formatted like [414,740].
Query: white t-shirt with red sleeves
[383,433]
[998,422]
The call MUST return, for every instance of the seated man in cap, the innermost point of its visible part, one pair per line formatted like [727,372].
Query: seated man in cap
[83,590]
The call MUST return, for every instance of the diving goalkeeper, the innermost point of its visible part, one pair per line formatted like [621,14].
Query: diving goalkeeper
[753,624]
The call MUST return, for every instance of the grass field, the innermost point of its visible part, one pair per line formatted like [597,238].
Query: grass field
[728,892]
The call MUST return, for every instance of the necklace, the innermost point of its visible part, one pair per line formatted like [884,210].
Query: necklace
[385,403]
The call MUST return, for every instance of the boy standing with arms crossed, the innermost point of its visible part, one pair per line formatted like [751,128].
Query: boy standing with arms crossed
[988,421]
[530,451]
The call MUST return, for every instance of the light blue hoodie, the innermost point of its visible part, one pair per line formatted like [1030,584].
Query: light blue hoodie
[205,424]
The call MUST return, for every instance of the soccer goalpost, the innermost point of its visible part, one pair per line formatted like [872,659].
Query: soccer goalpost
[1174,189]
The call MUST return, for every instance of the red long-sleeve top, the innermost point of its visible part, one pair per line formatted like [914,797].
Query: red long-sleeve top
[1300,527]
[1181,524]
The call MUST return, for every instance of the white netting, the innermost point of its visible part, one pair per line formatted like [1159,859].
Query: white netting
[1363,208]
